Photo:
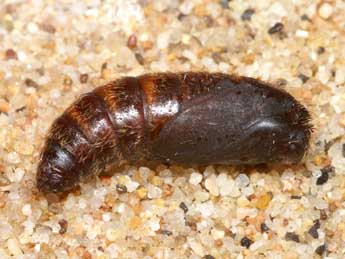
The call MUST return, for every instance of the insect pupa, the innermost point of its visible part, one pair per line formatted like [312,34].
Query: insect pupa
[184,118]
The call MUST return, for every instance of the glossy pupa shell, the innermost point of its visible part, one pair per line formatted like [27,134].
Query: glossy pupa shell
[184,118]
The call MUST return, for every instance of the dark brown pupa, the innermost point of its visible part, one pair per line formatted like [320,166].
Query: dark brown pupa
[185,118]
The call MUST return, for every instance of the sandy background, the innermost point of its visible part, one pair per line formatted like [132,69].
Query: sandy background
[52,51]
